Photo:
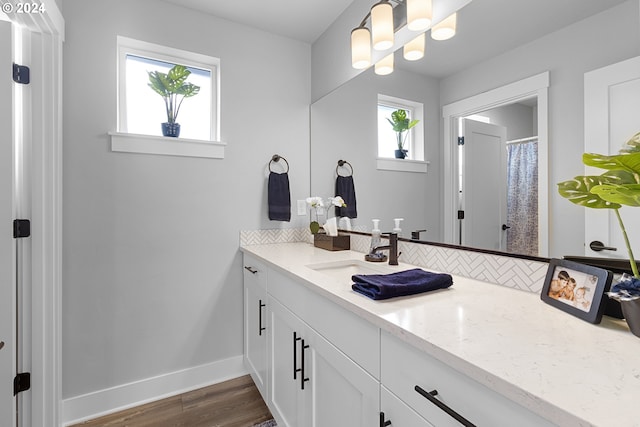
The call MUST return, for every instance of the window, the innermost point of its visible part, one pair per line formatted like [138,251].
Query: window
[141,111]
[387,140]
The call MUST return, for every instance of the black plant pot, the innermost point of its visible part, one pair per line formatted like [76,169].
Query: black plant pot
[171,129]
[401,154]
[631,312]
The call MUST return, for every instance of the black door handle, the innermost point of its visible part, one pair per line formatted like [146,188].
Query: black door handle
[296,338]
[260,327]
[302,378]
[429,395]
[251,270]
[505,227]
[599,246]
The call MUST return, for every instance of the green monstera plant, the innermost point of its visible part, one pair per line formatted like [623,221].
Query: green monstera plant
[173,88]
[401,124]
[618,186]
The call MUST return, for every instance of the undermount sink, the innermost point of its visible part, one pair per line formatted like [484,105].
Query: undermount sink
[343,270]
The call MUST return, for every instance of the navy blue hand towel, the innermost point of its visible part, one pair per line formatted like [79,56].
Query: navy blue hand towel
[279,197]
[346,190]
[408,282]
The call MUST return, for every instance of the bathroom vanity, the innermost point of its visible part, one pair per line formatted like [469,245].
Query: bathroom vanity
[474,354]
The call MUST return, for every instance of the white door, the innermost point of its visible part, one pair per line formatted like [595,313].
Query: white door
[7,243]
[484,185]
[612,116]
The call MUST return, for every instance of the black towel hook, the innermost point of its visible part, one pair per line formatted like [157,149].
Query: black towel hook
[342,163]
[276,158]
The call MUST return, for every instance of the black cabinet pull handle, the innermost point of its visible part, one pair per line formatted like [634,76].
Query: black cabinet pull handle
[302,378]
[251,269]
[429,395]
[384,423]
[296,338]
[260,327]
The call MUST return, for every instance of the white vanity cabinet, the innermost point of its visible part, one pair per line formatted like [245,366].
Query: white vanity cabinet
[404,368]
[312,383]
[255,321]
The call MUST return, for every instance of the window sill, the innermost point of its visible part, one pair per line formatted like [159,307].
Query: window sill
[402,165]
[148,144]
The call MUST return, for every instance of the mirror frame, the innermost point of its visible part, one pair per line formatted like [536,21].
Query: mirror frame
[536,85]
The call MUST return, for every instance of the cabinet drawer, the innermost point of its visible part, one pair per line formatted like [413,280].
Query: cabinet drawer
[404,367]
[354,336]
[254,271]
[396,411]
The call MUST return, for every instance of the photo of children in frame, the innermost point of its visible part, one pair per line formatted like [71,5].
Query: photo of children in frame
[573,288]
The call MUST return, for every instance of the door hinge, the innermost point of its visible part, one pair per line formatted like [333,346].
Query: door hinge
[460,214]
[21,74]
[22,382]
[461,140]
[21,228]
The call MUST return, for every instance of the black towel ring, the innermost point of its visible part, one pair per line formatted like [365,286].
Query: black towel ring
[276,158]
[341,164]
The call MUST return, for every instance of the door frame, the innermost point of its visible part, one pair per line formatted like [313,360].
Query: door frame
[44,33]
[537,85]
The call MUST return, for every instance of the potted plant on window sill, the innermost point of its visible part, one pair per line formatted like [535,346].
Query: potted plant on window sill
[618,186]
[401,124]
[173,88]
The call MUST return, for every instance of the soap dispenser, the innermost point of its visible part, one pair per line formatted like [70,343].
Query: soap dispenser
[375,235]
[397,228]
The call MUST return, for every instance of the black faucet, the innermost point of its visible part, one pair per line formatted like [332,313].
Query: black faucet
[392,247]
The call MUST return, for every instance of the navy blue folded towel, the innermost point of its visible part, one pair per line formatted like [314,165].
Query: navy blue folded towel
[279,197]
[408,282]
[346,190]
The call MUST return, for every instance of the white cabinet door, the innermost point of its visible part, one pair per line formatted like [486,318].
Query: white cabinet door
[255,321]
[337,392]
[285,338]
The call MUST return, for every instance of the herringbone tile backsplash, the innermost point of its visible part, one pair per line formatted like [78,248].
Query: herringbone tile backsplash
[501,270]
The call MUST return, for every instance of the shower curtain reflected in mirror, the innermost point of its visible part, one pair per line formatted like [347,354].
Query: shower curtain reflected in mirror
[522,197]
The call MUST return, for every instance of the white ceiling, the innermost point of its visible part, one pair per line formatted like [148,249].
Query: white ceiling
[303,20]
[486,28]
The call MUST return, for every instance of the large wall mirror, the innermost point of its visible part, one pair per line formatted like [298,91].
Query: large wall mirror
[499,45]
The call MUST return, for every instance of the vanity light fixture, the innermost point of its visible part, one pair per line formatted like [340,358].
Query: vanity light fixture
[381,34]
[419,14]
[414,50]
[382,25]
[446,29]
[360,48]
[385,65]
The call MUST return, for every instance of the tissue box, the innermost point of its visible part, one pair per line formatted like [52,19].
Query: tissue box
[332,243]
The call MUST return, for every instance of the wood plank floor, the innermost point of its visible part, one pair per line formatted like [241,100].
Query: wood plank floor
[233,403]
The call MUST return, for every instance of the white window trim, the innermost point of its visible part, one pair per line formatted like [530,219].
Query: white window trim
[417,139]
[123,141]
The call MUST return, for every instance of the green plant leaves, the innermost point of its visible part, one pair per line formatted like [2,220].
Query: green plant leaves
[627,194]
[578,191]
[314,226]
[171,85]
[627,162]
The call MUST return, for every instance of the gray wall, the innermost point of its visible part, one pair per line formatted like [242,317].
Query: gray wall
[603,39]
[151,269]
[517,118]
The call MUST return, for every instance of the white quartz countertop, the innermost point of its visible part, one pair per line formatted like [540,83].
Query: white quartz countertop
[567,370]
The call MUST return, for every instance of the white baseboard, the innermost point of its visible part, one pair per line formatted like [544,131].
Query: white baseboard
[103,402]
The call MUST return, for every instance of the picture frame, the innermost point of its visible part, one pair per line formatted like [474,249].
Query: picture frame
[577,289]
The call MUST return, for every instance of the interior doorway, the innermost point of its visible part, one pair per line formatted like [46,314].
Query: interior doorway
[530,90]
